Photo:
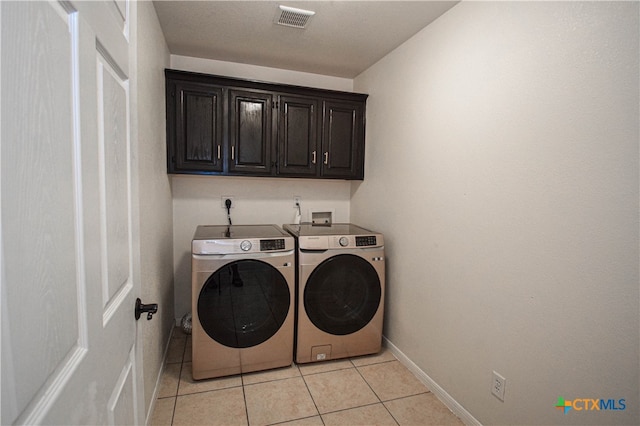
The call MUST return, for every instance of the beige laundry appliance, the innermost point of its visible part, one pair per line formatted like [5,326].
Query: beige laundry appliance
[341,289]
[243,282]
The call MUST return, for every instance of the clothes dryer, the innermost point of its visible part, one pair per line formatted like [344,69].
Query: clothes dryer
[243,282]
[341,290]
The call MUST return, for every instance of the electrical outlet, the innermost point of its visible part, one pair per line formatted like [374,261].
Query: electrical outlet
[497,385]
[296,201]
[224,198]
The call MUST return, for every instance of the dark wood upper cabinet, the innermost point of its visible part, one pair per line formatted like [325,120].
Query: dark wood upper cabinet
[341,139]
[298,136]
[197,126]
[227,126]
[250,132]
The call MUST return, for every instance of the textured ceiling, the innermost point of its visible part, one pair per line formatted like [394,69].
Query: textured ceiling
[342,39]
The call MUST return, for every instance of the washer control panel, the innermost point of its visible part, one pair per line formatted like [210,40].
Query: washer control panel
[244,246]
[240,239]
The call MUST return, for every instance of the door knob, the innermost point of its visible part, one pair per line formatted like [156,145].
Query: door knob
[150,309]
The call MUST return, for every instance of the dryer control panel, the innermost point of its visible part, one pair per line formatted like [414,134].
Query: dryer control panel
[369,240]
[357,241]
[267,245]
[327,242]
[334,236]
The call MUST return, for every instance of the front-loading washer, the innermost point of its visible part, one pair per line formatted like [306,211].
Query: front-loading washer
[341,290]
[243,282]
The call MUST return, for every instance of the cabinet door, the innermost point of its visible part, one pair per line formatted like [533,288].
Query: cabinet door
[198,128]
[250,132]
[343,139]
[298,136]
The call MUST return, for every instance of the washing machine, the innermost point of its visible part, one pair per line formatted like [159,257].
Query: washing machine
[243,282]
[340,291]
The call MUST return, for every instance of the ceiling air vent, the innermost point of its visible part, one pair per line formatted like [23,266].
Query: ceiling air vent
[292,17]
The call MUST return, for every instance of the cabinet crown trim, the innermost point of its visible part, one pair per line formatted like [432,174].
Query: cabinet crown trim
[233,82]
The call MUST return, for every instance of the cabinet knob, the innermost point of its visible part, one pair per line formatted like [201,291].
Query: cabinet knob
[326,157]
[313,157]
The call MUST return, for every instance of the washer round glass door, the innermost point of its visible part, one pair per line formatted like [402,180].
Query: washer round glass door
[342,294]
[244,303]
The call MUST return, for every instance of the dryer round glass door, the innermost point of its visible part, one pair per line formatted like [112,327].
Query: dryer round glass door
[342,294]
[244,303]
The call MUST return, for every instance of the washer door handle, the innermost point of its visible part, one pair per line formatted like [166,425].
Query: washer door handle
[150,309]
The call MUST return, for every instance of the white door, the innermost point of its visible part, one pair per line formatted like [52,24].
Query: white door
[69,225]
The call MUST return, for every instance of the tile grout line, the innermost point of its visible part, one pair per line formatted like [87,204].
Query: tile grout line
[184,350]
[175,400]
[311,396]
[327,372]
[408,396]
[355,367]
[374,392]
[244,397]
[359,406]
[173,412]
[295,420]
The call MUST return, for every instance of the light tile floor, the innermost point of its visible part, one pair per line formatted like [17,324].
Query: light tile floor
[368,390]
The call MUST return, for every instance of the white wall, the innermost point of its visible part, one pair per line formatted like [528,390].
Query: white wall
[197,199]
[502,167]
[156,235]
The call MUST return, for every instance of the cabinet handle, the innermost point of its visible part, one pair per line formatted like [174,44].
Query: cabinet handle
[218,152]
[326,157]
[313,158]
[233,152]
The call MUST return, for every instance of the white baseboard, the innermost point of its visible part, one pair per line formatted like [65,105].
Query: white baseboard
[440,393]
